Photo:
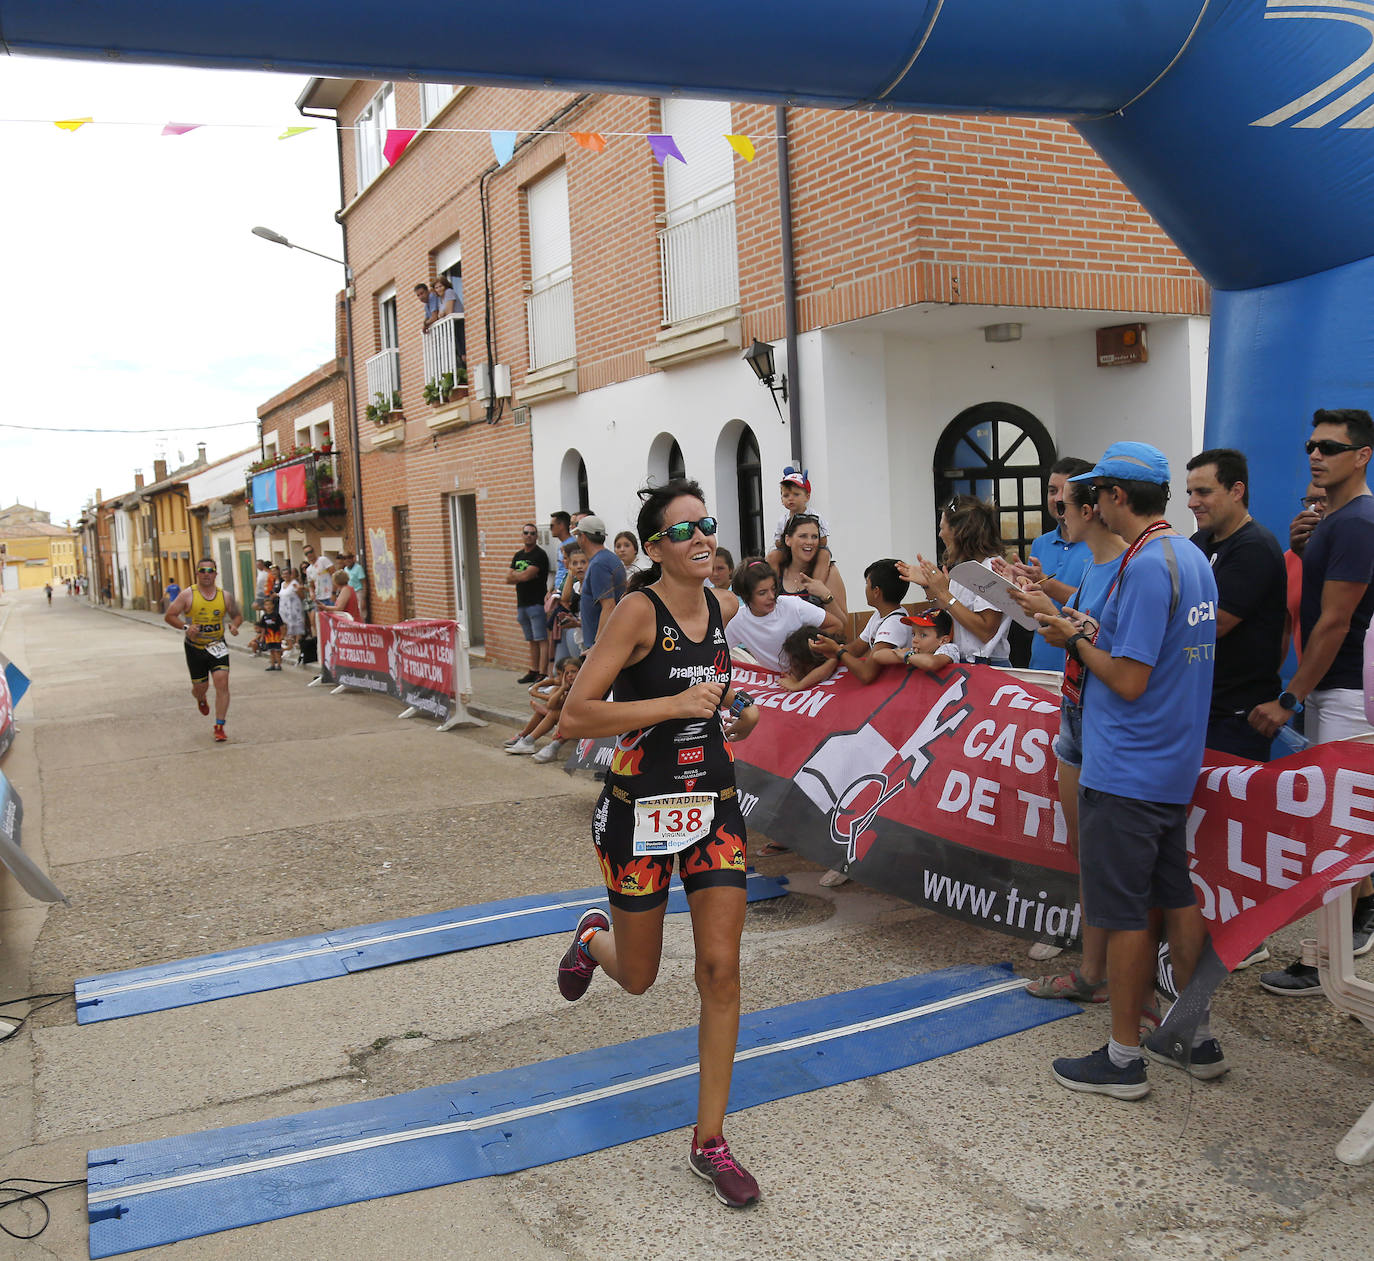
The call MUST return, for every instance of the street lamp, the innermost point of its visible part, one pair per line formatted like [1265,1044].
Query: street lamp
[359,538]
[759,357]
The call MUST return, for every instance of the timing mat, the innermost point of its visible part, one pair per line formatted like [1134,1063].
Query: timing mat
[145,1194]
[254,969]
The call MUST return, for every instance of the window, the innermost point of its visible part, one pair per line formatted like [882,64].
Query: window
[677,466]
[373,123]
[749,487]
[433,98]
[269,446]
[313,428]
[549,308]
[386,319]
[698,250]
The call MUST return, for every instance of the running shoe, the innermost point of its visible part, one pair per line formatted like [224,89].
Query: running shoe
[576,966]
[549,752]
[1204,1061]
[1070,984]
[203,706]
[733,1184]
[220,737]
[1297,980]
[1095,1074]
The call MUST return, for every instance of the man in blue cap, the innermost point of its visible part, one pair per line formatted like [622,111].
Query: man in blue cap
[1146,690]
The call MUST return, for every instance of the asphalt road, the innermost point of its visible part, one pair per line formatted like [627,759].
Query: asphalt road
[325,811]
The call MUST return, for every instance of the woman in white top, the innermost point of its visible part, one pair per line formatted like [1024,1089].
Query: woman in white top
[291,607]
[968,529]
[764,621]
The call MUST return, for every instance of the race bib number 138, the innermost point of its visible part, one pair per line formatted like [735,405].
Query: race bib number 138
[667,824]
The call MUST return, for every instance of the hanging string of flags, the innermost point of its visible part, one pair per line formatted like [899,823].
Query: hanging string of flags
[503,143]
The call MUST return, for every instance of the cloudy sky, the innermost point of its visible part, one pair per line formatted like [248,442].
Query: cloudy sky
[135,296]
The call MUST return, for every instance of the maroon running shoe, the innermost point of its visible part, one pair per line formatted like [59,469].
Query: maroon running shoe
[734,1185]
[203,706]
[576,966]
[220,737]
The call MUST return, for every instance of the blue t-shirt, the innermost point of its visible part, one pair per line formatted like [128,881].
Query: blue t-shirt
[605,577]
[1151,748]
[1341,549]
[1067,562]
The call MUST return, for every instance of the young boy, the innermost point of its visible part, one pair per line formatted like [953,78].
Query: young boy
[932,647]
[273,630]
[796,495]
[886,632]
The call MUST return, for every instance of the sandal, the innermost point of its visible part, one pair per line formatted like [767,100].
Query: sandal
[1070,985]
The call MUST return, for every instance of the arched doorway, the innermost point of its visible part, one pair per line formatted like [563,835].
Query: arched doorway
[997,451]
[749,492]
[572,482]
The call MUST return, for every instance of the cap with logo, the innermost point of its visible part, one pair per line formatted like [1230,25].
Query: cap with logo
[1131,462]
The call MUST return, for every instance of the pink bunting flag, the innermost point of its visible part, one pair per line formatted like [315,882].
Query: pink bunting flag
[179,129]
[665,147]
[592,140]
[396,141]
[743,146]
[72,124]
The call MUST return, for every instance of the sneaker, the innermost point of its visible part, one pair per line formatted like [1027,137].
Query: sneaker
[1204,1061]
[1070,984]
[523,747]
[220,737]
[530,676]
[734,1185]
[833,879]
[576,966]
[549,752]
[1297,980]
[203,706]
[1095,1074]
[1259,954]
[506,744]
[1047,947]
[1362,925]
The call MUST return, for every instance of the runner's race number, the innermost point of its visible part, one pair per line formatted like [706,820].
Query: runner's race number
[664,825]
[218,649]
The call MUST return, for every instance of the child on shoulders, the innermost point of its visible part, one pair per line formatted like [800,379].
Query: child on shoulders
[796,497]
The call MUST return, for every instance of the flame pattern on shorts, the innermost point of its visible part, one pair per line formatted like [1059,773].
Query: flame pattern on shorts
[723,851]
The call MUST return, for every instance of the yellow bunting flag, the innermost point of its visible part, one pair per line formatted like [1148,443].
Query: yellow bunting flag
[71,124]
[743,146]
[592,140]
[293,131]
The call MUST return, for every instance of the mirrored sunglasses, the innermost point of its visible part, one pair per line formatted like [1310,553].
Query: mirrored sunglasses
[684,530]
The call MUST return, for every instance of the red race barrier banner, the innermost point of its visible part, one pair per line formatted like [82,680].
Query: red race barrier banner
[941,789]
[413,662]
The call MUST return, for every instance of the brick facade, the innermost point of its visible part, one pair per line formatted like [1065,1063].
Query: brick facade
[889,211]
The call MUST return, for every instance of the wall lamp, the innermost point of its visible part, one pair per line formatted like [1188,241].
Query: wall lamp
[759,357]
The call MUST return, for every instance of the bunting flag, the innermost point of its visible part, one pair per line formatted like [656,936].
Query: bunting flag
[72,124]
[592,140]
[294,131]
[665,147]
[396,141]
[503,146]
[743,146]
[179,129]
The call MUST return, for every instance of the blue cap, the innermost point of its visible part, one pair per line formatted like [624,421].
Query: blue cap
[1132,462]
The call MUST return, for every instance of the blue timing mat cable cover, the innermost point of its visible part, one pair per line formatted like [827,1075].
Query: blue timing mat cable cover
[254,969]
[145,1194]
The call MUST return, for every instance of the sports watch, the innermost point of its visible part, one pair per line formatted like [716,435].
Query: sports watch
[741,702]
[1288,701]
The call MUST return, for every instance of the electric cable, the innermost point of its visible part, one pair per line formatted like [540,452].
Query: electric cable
[12,1193]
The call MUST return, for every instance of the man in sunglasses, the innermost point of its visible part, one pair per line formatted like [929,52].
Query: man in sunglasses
[201,612]
[1056,565]
[1337,603]
[529,575]
[604,582]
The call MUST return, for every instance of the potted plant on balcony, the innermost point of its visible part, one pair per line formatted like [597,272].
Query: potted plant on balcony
[446,388]
[382,409]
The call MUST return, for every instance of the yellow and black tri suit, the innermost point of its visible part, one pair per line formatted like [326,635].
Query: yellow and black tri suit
[206,650]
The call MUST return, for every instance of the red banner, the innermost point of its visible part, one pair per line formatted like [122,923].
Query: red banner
[941,789]
[291,491]
[414,662]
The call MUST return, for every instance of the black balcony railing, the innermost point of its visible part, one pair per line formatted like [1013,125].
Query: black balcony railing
[301,488]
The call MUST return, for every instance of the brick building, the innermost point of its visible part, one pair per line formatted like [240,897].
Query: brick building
[951,275]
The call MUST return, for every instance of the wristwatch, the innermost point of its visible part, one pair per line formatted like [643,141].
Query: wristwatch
[741,702]
[1288,701]
[1071,649]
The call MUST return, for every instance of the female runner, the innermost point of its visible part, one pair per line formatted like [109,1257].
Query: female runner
[670,794]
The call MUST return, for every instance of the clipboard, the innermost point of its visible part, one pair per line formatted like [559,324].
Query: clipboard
[993,588]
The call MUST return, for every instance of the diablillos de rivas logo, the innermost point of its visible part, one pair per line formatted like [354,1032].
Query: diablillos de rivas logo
[839,777]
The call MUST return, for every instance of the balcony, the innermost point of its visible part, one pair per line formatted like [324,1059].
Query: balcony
[301,488]
[383,373]
[549,316]
[443,348]
[699,258]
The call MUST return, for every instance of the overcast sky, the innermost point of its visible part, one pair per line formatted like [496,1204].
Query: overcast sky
[135,296]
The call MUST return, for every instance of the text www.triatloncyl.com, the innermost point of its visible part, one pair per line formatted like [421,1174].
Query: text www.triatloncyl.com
[1010,909]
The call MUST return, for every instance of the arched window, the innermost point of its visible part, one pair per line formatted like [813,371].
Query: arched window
[665,460]
[997,451]
[584,503]
[572,482]
[749,487]
[677,466]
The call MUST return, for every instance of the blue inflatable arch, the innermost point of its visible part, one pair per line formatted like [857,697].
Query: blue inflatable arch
[1244,126]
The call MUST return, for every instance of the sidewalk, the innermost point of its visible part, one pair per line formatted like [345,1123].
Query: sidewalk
[496,696]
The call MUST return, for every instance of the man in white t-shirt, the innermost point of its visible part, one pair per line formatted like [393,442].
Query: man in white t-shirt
[320,576]
[764,620]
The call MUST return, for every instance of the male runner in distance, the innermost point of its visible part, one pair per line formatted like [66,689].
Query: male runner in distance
[200,611]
